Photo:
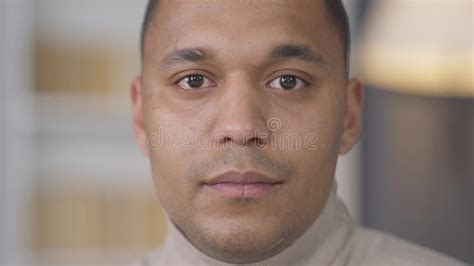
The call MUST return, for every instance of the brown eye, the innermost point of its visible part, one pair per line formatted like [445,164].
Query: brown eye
[194,81]
[287,82]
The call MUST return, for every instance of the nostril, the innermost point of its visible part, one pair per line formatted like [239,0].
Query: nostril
[260,142]
[244,140]
[226,139]
[256,140]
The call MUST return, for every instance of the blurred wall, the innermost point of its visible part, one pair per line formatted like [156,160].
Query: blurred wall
[2,143]
[419,174]
[417,59]
[17,124]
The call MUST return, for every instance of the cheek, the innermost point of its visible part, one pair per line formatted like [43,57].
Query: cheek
[316,126]
[170,146]
[317,131]
[314,172]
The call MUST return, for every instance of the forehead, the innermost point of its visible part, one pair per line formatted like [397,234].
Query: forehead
[240,24]
[240,10]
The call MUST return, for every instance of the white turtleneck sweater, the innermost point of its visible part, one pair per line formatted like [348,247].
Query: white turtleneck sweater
[333,239]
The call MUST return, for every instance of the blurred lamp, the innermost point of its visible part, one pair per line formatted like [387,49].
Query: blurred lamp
[422,47]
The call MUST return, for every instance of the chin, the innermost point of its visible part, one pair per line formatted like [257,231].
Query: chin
[240,240]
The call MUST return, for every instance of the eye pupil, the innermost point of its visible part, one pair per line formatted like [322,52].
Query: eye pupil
[288,82]
[195,81]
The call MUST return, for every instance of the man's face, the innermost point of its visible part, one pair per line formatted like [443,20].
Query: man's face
[243,107]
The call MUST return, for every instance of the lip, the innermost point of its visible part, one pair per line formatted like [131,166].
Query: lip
[248,184]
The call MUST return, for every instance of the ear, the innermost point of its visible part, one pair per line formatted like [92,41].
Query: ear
[353,116]
[137,115]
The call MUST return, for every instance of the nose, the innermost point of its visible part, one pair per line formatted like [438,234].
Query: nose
[240,117]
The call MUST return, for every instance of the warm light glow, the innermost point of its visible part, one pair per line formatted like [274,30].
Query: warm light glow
[422,47]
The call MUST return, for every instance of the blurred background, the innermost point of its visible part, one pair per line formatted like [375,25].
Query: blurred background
[75,189]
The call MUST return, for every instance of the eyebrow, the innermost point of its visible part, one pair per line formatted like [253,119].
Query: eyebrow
[186,55]
[298,51]
[283,51]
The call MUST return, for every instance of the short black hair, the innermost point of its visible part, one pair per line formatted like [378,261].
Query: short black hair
[335,9]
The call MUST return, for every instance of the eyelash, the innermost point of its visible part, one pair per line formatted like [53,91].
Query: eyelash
[204,80]
[302,80]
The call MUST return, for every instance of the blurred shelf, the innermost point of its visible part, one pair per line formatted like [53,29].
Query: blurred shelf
[88,138]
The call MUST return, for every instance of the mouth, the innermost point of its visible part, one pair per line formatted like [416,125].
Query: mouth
[249,184]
